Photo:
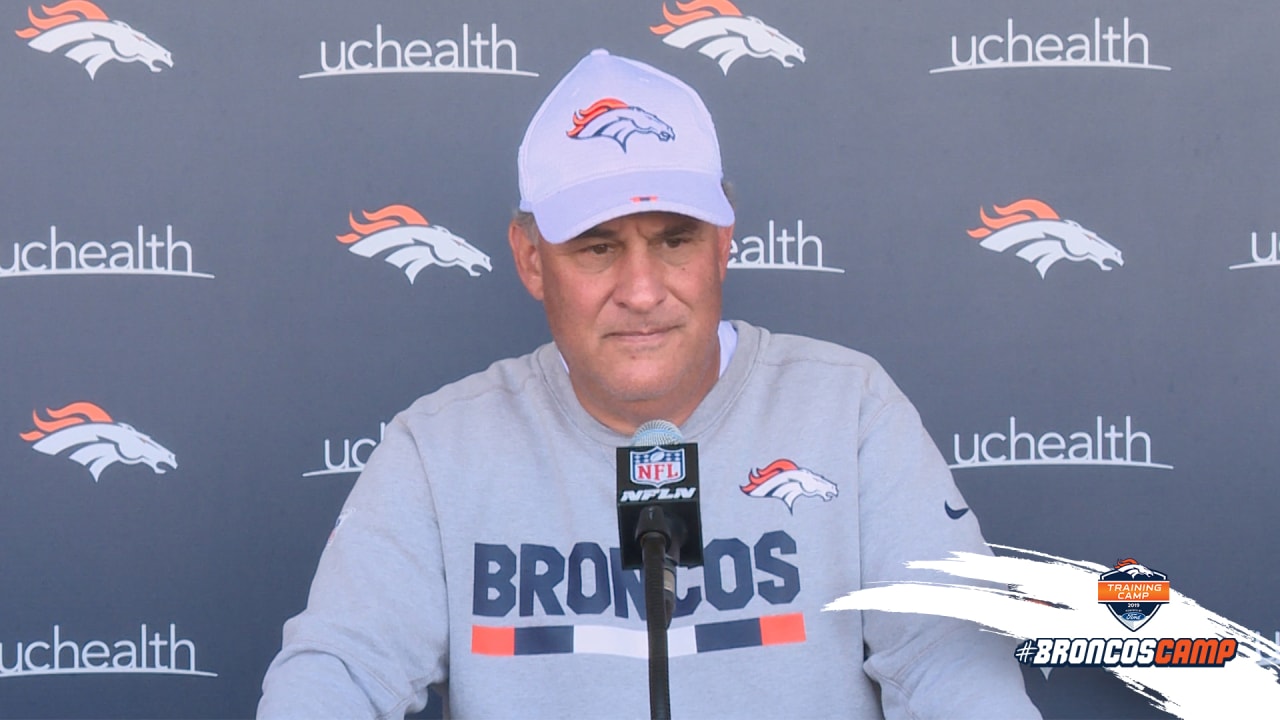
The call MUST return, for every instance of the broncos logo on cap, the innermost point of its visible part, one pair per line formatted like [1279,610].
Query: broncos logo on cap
[788,482]
[725,33]
[414,243]
[611,118]
[88,37]
[94,440]
[1044,236]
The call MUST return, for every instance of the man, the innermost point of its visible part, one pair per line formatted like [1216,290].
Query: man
[477,551]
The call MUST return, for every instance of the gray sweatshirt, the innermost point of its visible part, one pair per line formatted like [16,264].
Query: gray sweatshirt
[478,555]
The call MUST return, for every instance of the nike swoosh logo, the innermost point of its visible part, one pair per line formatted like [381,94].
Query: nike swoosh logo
[953,513]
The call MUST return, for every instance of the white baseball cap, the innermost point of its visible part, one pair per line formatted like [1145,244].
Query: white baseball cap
[617,137]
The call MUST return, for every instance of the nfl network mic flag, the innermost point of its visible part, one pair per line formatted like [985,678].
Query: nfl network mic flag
[665,475]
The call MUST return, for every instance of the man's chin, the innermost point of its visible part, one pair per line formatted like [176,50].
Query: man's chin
[642,384]
[642,393]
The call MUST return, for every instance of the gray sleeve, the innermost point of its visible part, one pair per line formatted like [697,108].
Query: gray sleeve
[927,666]
[374,633]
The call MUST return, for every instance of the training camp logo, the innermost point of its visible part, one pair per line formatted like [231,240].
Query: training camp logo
[95,440]
[784,480]
[724,34]
[83,32]
[1132,593]
[1103,444]
[1042,236]
[411,242]
[1261,258]
[614,119]
[1109,49]
[467,53]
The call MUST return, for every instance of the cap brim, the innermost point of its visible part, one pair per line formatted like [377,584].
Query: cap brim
[572,211]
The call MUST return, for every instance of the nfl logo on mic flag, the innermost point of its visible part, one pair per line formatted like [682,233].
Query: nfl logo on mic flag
[657,466]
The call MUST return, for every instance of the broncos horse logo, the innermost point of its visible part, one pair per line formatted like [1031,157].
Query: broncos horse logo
[94,440]
[618,121]
[725,33]
[786,481]
[1044,236]
[415,244]
[83,30]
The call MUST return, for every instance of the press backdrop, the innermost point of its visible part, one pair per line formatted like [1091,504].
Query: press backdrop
[1054,223]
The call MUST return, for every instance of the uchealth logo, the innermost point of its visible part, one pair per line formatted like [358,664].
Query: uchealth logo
[1037,234]
[719,30]
[1263,254]
[80,30]
[616,120]
[411,243]
[467,52]
[783,480]
[146,255]
[150,652]
[1087,47]
[773,250]
[90,437]
[1103,444]
[354,454]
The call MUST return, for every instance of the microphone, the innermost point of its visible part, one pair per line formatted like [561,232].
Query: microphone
[658,498]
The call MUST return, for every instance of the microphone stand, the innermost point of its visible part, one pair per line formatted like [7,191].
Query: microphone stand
[659,569]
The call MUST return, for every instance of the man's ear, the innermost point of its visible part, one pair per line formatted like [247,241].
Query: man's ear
[724,244]
[524,250]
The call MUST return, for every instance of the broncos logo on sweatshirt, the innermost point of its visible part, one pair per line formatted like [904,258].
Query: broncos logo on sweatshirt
[1044,237]
[414,244]
[84,33]
[788,482]
[95,440]
[614,119]
[724,33]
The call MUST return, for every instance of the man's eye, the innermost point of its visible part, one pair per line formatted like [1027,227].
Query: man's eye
[675,242]
[598,249]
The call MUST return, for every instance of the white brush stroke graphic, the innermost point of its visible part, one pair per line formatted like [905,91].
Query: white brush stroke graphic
[1242,688]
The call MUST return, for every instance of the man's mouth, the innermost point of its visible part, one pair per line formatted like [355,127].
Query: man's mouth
[640,335]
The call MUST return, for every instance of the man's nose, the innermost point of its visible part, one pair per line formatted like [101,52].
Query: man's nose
[641,279]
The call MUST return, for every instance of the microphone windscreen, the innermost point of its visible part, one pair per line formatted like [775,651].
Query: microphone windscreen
[657,432]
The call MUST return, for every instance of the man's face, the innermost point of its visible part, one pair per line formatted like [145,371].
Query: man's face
[633,305]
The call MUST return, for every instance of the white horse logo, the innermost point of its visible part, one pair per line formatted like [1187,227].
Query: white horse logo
[786,481]
[1042,237]
[618,121]
[81,31]
[413,243]
[95,441]
[725,34]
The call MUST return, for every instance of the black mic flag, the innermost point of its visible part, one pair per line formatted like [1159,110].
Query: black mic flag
[658,470]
